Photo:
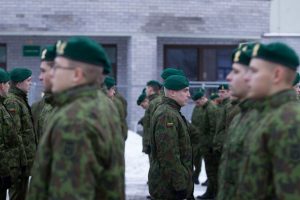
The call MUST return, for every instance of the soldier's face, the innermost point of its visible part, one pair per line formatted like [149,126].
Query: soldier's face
[182,96]
[4,88]
[223,94]
[198,102]
[62,75]
[25,85]
[259,79]
[45,76]
[145,104]
[203,100]
[111,92]
[149,91]
[237,82]
[297,89]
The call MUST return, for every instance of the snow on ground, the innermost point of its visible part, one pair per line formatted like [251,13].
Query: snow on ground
[137,166]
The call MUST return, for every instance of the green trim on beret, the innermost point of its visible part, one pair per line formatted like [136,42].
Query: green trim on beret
[297,79]
[141,98]
[86,50]
[48,53]
[154,83]
[223,87]
[20,74]
[4,76]
[214,96]
[109,82]
[277,53]
[198,95]
[176,82]
[171,71]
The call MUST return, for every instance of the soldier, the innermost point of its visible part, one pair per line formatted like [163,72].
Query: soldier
[171,167]
[144,103]
[233,147]
[11,147]
[153,105]
[81,153]
[207,126]
[42,108]
[270,166]
[152,92]
[110,84]
[17,105]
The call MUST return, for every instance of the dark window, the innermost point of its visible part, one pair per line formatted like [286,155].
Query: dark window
[3,56]
[111,51]
[200,63]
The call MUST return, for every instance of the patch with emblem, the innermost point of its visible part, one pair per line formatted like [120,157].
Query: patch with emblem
[237,56]
[255,50]
[60,47]
[170,124]
[12,110]
[295,152]
[44,54]
[69,148]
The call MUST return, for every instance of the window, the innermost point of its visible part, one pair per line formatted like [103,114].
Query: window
[3,56]
[200,63]
[111,51]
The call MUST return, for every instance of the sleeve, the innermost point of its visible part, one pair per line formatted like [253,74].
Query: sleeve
[146,136]
[167,151]
[14,110]
[284,147]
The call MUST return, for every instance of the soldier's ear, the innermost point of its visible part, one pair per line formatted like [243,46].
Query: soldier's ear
[78,76]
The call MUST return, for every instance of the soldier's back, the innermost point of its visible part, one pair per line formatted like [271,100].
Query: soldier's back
[81,155]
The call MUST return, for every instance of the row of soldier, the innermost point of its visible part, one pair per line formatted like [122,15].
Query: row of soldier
[71,142]
[248,134]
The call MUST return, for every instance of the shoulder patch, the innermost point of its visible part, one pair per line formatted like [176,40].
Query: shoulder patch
[170,124]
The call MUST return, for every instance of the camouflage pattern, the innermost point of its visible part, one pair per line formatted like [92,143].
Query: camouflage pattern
[80,156]
[271,165]
[232,111]
[171,153]
[17,105]
[222,124]
[40,112]
[12,151]
[123,109]
[233,149]
[154,100]
[122,113]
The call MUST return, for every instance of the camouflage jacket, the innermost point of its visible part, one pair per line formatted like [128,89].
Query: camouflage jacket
[271,165]
[17,105]
[204,117]
[80,155]
[171,152]
[154,100]
[221,125]
[233,149]
[12,151]
[121,105]
[40,112]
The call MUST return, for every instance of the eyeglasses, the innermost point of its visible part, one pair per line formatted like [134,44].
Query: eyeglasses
[55,67]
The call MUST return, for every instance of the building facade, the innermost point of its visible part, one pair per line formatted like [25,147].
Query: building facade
[141,37]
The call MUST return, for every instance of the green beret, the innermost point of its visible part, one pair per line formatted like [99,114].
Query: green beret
[277,53]
[4,76]
[223,87]
[141,98]
[169,72]
[214,96]
[109,82]
[242,55]
[154,83]
[198,95]
[48,53]
[176,82]
[85,50]
[20,74]
[297,79]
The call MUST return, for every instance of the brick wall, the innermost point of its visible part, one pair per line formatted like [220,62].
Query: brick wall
[139,28]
